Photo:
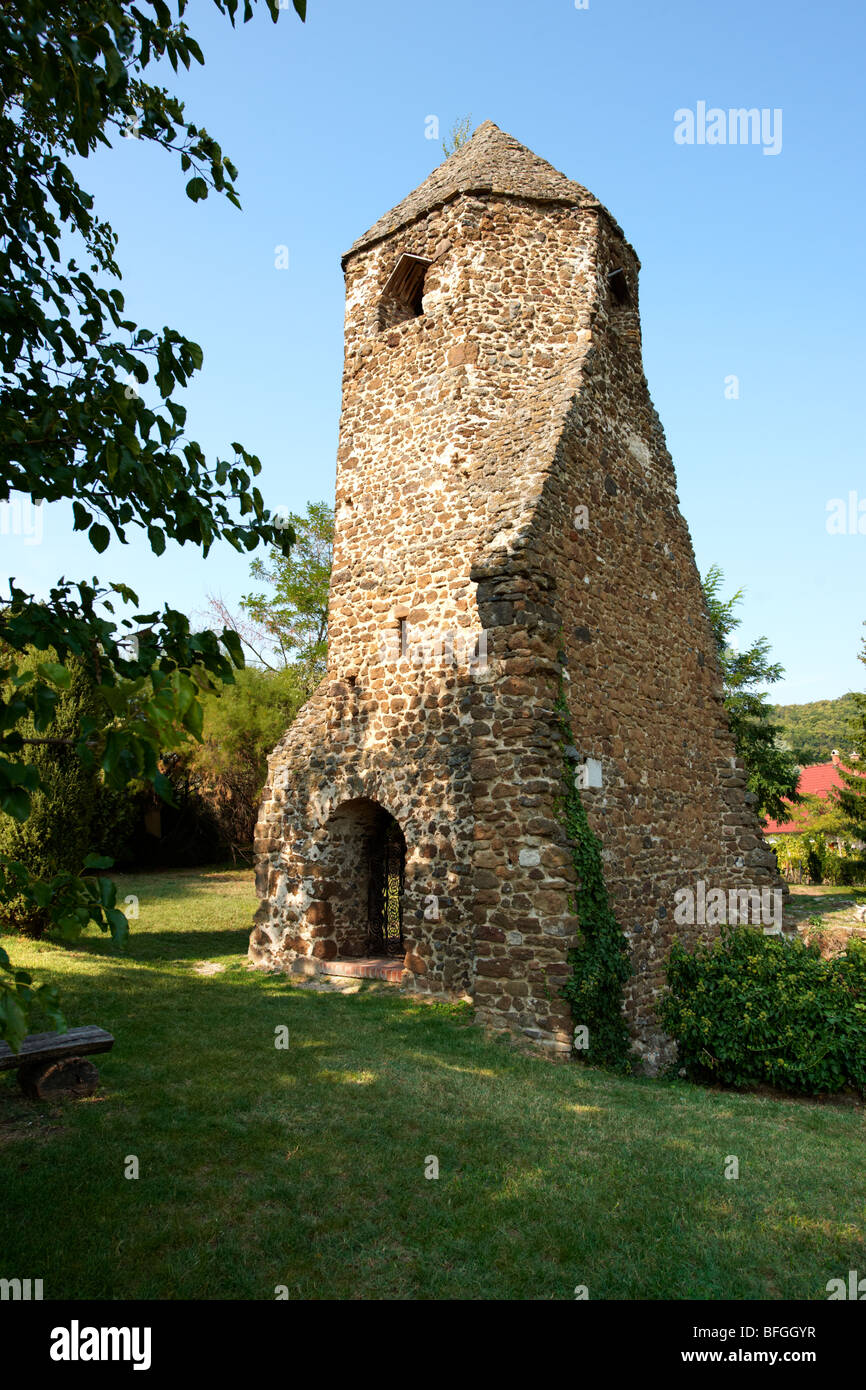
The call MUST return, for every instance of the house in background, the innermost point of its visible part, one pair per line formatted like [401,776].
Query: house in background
[817,784]
[817,780]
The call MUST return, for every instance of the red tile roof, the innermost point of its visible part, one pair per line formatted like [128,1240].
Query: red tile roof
[817,780]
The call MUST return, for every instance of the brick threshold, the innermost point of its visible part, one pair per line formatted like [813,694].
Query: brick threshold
[365,968]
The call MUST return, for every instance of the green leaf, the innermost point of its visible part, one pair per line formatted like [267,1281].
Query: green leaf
[98,861]
[157,539]
[13,1020]
[193,720]
[54,672]
[162,786]
[107,893]
[15,802]
[115,69]
[196,189]
[118,925]
[99,537]
[232,642]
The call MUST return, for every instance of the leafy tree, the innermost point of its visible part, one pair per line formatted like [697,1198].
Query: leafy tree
[294,615]
[74,424]
[773,772]
[56,836]
[286,630]
[242,725]
[813,730]
[818,815]
[851,796]
[461,134]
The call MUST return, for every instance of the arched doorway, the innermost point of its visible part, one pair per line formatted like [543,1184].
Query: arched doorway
[363,865]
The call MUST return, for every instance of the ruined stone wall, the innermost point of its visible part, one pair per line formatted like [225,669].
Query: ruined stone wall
[308,865]
[469,436]
[643,683]
[439,444]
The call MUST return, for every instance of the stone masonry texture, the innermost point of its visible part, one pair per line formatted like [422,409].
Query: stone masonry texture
[502,471]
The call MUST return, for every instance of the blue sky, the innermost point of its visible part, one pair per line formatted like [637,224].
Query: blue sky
[751,262]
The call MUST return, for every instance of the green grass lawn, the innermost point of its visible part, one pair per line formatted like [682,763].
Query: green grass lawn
[305,1167]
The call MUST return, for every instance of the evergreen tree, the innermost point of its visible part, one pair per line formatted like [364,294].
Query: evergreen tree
[851,796]
[773,770]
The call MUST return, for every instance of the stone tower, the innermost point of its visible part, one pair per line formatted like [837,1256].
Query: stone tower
[506,527]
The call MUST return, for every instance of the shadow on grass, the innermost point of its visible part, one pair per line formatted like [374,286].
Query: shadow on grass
[306,1165]
[162,945]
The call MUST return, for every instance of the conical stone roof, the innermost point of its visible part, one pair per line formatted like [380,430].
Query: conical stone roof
[491,162]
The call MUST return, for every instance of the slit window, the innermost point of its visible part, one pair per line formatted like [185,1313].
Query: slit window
[619,286]
[403,295]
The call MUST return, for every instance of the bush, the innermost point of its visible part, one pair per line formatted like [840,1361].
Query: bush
[753,1008]
[814,864]
[228,769]
[115,821]
[180,834]
[832,868]
[809,858]
[853,871]
[57,834]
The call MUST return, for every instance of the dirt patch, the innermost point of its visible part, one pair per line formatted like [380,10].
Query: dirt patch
[21,1121]
[831,940]
[825,916]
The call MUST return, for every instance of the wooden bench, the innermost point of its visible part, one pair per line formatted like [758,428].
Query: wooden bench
[51,1064]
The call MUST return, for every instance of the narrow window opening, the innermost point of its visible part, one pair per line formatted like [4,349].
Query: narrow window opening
[403,296]
[619,286]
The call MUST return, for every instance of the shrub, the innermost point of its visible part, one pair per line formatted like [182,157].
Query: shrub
[853,871]
[753,1008]
[857,949]
[57,834]
[228,769]
[808,857]
[814,860]
[115,820]
[179,834]
[832,868]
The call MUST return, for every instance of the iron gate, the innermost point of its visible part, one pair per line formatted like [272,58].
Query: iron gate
[385,901]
